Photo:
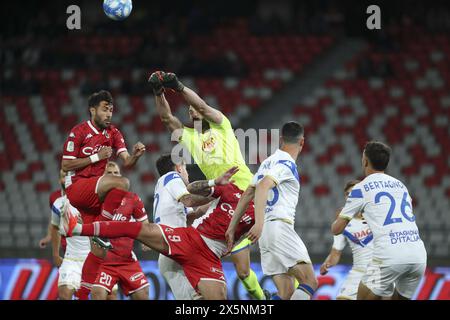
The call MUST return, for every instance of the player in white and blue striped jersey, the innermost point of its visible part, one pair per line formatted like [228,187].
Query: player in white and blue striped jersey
[171,205]
[358,236]
[399,257]
[275,189]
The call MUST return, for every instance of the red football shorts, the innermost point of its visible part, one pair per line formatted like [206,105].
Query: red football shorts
[188,249]
[82,195]
[128,274]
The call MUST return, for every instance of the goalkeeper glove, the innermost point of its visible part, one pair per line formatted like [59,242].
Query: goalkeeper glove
[155,83]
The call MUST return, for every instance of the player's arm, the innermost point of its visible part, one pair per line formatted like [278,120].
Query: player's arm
[261,195]
[194,200]
[332,260]
[170,80]
[195,214]
[353,205]
[55,236]
[204,187]
[208,112]
[43,242]
[79,163]
[241,208]
[162,105]
[130,161]
[56,242]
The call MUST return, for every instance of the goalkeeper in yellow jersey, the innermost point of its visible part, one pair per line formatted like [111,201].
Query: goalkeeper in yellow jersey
[215,149]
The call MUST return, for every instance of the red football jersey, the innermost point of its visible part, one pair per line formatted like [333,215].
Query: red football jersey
[215,222]
[54,196]
[85,140]
[127,208]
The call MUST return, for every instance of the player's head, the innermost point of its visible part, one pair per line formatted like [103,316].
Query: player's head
[375,157]
[101,108]
[194,114]
[349,186]
[166,163]
[292,134]
[113,169]
[62,178]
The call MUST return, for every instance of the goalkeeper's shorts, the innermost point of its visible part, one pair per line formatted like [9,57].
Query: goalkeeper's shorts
[244,244]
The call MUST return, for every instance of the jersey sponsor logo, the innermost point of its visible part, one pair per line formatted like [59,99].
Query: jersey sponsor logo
[119,217]
[209,144]
[70,146]
[227,208]
[137,276]
[90,151]
[404,236]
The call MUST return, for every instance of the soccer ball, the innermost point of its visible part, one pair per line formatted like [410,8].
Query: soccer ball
[117,9]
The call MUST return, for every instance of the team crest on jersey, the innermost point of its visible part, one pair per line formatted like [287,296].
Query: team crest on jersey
[72,135]
[89,136]
[106,134]
[237,195]
[169,230]
[209,144]
[136,276]
[70,146]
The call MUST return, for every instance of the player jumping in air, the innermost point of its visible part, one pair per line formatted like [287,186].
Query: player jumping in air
[399,255]
[214,148]
[86,152]
[283,254]
[359,237]
[197,250]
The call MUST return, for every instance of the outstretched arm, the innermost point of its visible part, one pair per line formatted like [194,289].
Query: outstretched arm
[203,187]
[160,80]
[170,121]
[261,195]
[241,208]
[208,112]
[162,105]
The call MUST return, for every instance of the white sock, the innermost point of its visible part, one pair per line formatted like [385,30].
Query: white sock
[300,295]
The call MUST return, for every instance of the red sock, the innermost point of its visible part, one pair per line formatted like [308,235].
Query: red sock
[112,229]
[88,275]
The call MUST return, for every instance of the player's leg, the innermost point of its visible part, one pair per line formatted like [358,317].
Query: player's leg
[108,183]
[284,284]
[241,260]
[99,293]
[141,294]
[304,273]
[408,280]
[107,278]
[364,293]
[378,282]
[349,288]
[65,292]
[89,272]
[69,278]
[211,289]
[174,275]
[132,279]
[113,294]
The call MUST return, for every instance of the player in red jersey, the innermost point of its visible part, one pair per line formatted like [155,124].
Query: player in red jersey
[120,264]
[98,251]
[197,250]
[86,152]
